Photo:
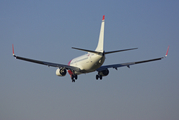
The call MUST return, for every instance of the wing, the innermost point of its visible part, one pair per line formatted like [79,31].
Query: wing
[46,63]
[130,63]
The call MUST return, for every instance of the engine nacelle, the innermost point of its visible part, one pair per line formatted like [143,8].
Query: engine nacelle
[61,72]
[104,72]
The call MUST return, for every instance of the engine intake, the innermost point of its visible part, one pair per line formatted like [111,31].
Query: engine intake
[104,72]
[61,72]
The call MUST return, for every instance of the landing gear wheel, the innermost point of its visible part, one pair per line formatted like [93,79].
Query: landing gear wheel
[100,77]
[76,77]
[97,77]
[72,78]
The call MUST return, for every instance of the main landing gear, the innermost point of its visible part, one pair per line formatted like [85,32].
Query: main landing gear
[73,77]
[99,76]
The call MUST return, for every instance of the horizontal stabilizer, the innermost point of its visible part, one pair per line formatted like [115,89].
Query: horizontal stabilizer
[120,50]
[91,51]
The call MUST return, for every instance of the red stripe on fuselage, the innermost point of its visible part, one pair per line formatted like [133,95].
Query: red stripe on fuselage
[69,62]
[69,71]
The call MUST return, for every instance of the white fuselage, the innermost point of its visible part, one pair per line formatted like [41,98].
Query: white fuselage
[87,63]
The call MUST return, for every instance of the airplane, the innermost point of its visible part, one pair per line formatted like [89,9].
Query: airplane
[91,61]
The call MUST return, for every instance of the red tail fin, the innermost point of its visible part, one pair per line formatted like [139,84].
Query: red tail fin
[103,17]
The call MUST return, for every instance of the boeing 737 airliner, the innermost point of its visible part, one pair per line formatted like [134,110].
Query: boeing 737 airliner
[90,62]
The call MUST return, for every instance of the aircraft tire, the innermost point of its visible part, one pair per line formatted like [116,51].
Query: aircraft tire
[76,77]
[100,77]
[97,77]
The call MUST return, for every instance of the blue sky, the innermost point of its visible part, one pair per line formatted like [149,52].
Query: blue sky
[46,30]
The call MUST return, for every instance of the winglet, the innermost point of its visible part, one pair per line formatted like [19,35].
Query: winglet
[13,49]
[103,17]
[167,51]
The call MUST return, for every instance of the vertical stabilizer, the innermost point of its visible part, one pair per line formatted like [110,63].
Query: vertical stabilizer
[101,37]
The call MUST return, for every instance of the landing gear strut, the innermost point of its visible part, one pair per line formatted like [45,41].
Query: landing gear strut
[73,77]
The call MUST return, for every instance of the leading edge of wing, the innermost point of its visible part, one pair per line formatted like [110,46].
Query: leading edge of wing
[45,63]
[131,63]
[48,63]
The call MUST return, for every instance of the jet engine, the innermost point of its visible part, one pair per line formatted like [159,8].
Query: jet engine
[103,72]
[61,72]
